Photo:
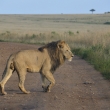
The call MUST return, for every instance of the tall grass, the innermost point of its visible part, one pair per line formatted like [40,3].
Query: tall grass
[91,46]
[95,48]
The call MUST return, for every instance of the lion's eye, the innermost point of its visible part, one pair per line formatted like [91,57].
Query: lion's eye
[66,50]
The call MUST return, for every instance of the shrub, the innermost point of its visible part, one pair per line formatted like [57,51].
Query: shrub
[107,23]
[96,56]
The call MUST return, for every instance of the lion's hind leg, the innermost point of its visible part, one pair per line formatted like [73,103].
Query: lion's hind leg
[22,75]
[5,79]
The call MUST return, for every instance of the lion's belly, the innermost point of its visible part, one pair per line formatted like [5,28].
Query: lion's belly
[33,69]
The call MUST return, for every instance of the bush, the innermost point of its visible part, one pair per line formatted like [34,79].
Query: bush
[107,23]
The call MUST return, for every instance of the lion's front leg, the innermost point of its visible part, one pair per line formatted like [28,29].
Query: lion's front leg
[50,78]
[44,82]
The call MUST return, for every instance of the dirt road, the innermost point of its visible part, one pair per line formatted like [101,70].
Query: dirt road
[78,87]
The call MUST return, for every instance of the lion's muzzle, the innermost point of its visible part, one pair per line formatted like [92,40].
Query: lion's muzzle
[70,59]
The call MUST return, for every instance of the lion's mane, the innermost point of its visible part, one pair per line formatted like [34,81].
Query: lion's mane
[55,54]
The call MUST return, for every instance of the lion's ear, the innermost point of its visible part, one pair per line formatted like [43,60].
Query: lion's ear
[60,45]
[63,42]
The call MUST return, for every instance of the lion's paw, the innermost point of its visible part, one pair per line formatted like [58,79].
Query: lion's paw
[4,93]
[27,92]
[47,89]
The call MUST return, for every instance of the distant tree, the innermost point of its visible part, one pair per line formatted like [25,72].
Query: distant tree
[92,10]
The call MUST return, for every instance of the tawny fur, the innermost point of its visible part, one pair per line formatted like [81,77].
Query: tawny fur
[45,60]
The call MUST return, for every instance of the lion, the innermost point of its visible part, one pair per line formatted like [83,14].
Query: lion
[44,60]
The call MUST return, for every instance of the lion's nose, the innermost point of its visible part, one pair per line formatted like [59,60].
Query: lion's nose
[72,56]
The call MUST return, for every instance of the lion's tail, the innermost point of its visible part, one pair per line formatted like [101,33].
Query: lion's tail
[9,67]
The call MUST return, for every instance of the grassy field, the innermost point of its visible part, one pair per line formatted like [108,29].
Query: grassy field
[47,23]
[88,35]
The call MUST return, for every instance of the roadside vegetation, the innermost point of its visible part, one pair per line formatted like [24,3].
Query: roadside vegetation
[93,47]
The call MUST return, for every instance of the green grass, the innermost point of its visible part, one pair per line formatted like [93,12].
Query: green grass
[98,57]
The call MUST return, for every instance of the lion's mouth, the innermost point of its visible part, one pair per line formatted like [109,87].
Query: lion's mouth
[70,59]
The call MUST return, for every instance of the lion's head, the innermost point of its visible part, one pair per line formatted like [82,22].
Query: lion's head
[58,51]
[65,50]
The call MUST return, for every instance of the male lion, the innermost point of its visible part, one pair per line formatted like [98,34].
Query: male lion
[44,60]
